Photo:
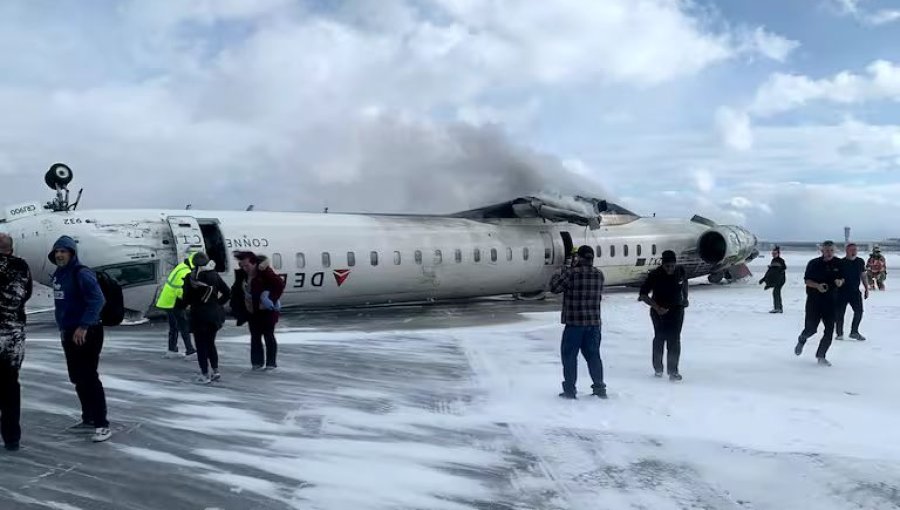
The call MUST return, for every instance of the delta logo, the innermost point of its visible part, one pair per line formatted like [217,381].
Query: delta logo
[341,275]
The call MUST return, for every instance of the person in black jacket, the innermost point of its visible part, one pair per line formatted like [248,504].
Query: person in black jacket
[823,279]
[15,290]
[775,279]
[206,294]
[853,270]
[666,291]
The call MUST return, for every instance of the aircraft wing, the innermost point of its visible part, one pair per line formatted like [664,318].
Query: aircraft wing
[578,210]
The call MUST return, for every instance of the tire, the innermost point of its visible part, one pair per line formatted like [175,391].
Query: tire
[58,176]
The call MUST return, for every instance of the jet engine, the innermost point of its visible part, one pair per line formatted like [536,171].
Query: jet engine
[727,245]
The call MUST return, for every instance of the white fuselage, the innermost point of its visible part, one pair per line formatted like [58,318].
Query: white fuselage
[353,259]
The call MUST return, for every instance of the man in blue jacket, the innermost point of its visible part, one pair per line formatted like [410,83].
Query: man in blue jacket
[79,301]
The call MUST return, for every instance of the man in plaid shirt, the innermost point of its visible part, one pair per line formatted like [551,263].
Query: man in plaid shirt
[582,287]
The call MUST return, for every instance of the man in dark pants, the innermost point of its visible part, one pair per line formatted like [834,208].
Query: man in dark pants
[582,288]
[15,290]
[775,279]
[666,291]
[853,271]
[79,301]
[823,279]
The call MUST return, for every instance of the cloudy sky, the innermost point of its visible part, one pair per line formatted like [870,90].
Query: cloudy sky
[782,115]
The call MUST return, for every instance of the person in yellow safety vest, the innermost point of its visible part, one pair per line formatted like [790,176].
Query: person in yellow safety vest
[170,301]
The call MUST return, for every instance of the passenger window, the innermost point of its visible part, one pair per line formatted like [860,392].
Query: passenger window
[638,250]
[374,258]
[438,257]
[654,249]
[457,255]
[612,251]
[477,255]
[525,253]
[301,261]
[276,260]
[418,257]
[351,259]
[131,274]
[599,252]
[493,254]
[326,259]
[625,251]
[396,258]
[509,253]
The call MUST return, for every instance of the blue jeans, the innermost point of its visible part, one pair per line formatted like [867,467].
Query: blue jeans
[587,340]
[179,323]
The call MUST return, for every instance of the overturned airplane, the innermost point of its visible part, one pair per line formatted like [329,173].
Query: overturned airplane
[339,260]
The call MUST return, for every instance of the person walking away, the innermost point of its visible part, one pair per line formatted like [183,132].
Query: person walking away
[15,291]
[853,272]
[876,269]
[775,279]
[581,285]
[206,294]
[78,302]
[823,279]
[171,300]
[255,299]
[666,292]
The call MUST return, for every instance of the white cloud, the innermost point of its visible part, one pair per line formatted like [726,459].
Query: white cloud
[856,9]
[734,128]
[704,180]
[772,46]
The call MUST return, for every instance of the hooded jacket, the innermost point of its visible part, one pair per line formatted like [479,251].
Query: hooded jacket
[15,290]
[206,294]
[76,293]
[267,283]
[173,290]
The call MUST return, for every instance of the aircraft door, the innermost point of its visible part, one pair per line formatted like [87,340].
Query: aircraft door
[568,246]
[548,248]
[188,235]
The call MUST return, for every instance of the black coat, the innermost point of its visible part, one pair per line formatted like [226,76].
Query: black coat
[775,275]
[206,294]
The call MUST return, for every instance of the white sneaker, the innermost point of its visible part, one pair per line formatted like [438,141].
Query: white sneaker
[101,434]
[215,376]
[191,356]
[202,379]
[839,338]
[172,355]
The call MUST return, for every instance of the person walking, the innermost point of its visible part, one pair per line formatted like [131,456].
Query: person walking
[171,300]
[853,272]
[582,287]
[666,292]
[876,269]
[255,299]
[78,301]
[775,279]
[15,291]
[823,279]
[206,294]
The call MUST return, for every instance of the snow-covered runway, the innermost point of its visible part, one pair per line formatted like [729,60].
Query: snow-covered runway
[455,407]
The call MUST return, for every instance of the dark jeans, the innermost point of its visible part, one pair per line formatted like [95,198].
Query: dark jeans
[587,340]
[207,354]
[10,404]
[178,323]
[819,309]
[853,298]
[82,362]
[776,297]
[667,334]
[263,327]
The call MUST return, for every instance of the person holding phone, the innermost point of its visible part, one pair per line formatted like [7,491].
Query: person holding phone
[823,279]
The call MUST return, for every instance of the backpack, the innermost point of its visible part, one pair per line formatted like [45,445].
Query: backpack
[113,312]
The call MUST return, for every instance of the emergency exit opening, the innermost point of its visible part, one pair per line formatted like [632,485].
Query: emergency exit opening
[567,244]
[215,244]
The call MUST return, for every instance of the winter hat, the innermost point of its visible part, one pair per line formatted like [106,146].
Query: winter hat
[199,259]
[668,256]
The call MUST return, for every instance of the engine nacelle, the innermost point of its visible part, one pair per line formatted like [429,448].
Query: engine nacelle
[727,245]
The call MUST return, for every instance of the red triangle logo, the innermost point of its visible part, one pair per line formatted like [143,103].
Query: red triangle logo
[341,275]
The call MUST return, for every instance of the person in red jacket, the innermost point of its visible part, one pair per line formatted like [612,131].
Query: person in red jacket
[255,299]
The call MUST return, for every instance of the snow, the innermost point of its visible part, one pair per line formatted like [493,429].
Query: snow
[377,414]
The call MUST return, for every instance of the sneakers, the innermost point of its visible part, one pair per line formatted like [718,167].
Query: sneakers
[675,377]
[857,336]
[798,350]
[776,311]
[101,434]
[839,338]
[192,355]
[202,379]
[257,367]
[12,447]
[601,393]
[658,374]
[215,376]
[269,368]
[567,396]
[824,362]
[172,355]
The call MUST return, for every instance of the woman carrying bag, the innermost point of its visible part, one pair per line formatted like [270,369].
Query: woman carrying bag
[206,294]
